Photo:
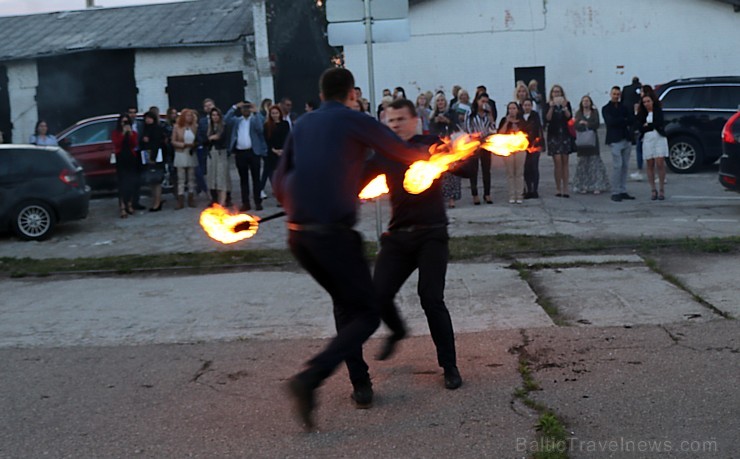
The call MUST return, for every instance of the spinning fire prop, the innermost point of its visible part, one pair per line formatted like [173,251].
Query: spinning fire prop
[226,227]
[422,174]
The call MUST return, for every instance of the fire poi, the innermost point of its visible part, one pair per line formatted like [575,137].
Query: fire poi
[228,227]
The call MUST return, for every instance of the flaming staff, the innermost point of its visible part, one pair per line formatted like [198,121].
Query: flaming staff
[421,174]
[377,187]
[226,227]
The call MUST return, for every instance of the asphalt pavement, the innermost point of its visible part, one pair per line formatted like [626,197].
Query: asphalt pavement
[639,361]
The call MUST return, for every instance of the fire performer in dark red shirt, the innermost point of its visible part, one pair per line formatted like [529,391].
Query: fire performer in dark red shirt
[317,181]
[416,239]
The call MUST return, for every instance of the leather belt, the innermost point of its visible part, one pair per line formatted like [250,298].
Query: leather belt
[317,227]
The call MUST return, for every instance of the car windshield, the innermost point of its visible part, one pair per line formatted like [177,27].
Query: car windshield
[92,133]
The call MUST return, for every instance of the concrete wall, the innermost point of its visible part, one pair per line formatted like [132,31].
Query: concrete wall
[585,45]
[22,82]
[152,68]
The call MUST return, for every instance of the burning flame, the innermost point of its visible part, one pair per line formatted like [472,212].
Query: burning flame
[377,187]
[505,144]
[421,174]
[219,224]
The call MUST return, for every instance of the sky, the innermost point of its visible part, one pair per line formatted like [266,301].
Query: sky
[16,7]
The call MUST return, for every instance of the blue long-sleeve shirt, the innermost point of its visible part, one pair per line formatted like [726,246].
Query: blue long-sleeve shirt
[320,171]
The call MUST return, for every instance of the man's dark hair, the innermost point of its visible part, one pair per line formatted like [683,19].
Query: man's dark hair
[132,107]
[398,104]
[616,87]
[208,99]
[336,83]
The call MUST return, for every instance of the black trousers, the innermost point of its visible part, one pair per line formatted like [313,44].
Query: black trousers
[271,162]
[336,260]
[248,164]
[401,253]
[532,172]
[485,165]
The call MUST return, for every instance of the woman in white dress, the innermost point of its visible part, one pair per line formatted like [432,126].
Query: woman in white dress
[654,142]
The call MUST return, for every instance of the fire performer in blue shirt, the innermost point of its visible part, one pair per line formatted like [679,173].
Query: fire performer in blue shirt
[317,181]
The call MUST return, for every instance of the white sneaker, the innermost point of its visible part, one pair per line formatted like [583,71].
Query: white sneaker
[636,176]
[263,195]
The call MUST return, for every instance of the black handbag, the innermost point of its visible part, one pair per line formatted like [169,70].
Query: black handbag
[152,175]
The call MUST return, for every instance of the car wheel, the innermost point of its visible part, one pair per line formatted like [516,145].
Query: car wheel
[684,155]
[34,221]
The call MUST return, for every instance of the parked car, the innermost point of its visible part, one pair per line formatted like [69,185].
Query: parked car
[40,187]
[88,141]
[729,163]
[696,109]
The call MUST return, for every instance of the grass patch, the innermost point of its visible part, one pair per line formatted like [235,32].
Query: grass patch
[525,273]
[468,248]
[552,441]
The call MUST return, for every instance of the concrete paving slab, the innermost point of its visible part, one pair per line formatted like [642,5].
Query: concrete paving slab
[714,278]
[227,306]
[617,295]
[226,400]
[582,258]
[645,391]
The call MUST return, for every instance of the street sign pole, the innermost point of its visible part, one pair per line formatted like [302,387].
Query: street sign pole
[369,43]
[371,84]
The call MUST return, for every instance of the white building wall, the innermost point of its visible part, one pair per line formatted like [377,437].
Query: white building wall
[587,46]
[22,82]
[152,67]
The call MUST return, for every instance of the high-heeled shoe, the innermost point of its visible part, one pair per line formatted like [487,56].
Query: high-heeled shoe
[129,210]
[476,200]
[487,199]
[124,214]
[158,208]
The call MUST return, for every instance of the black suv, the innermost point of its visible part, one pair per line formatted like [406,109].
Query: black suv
[40,187]
[696,110]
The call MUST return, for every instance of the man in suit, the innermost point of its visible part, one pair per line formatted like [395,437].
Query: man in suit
[247,144]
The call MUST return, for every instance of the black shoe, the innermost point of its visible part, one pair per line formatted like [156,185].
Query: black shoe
[389,346]
[616,197]
[303,399]
[452,378]
[138,207]
[535,195]
[245,208]
[258,206]
[363,395]
[626,196]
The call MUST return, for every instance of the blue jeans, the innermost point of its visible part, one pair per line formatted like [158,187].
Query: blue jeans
[200,171]
[638,153]
[620,165]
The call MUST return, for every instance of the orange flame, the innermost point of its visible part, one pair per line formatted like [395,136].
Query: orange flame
[377,187]
[506,144]
[219,224]
[421,174]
